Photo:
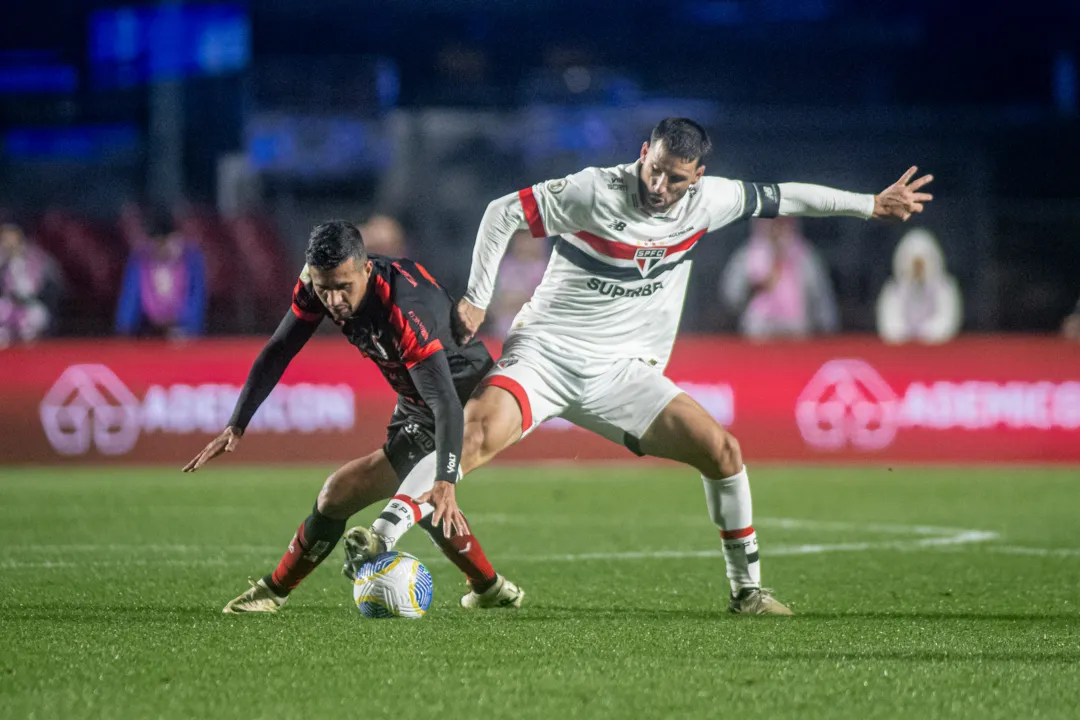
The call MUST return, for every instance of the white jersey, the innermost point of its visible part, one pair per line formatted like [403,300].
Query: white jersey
[616,282]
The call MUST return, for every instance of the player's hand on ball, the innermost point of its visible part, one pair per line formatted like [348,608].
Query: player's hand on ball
[902,199]
[468,321]
[447,511]
[227,441]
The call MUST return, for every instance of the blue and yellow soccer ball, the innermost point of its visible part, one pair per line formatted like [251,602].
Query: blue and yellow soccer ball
[391,585]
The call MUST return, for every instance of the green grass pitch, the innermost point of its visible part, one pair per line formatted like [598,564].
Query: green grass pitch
[919,592]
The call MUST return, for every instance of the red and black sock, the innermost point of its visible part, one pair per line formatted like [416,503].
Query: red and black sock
[312,543]
[465,552]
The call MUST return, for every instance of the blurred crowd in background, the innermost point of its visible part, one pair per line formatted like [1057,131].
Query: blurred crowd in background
[200,273]
[162,162]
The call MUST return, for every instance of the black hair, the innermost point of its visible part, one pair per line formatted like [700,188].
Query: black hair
[332,243]
[683,138]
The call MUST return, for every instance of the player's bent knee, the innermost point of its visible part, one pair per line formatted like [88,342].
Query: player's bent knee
[724,456]
[330,501]
[334,495]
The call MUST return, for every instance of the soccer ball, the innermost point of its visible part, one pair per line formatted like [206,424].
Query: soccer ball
[393,584]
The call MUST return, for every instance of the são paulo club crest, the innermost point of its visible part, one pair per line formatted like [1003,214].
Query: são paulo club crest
[647,258]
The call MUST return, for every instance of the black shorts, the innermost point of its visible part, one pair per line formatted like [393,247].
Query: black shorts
[410,437]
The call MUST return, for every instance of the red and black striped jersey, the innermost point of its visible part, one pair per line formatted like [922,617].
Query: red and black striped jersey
[403,319]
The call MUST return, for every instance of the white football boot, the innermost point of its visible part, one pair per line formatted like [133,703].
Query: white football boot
[756,601]
[500,595]
[361,544]
[258,598]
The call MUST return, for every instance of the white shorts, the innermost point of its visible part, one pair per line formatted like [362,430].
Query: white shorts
[616,399]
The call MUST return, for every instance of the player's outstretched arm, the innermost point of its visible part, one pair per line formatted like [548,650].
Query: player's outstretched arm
[899,201]
[284,344]
[436,385]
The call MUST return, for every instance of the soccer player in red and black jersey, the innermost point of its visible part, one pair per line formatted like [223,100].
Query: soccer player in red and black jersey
[395,313]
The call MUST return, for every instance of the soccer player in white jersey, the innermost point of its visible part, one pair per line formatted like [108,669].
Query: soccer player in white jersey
[592,343]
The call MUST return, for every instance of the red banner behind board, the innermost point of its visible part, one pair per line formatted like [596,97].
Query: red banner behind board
[848,399]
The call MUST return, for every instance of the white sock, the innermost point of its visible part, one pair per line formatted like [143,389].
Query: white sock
[402,512]
[731,509]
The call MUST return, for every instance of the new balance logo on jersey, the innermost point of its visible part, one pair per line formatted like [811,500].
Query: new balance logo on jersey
[617,291]
[647,258]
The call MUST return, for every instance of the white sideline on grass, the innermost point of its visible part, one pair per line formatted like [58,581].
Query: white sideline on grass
[930,537]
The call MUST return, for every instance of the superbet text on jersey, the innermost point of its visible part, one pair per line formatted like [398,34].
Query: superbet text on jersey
[617,279]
